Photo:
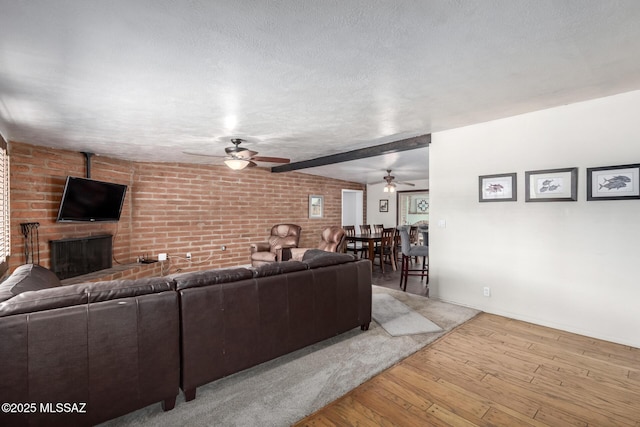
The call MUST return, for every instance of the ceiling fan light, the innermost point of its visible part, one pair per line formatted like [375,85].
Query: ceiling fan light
[236,164]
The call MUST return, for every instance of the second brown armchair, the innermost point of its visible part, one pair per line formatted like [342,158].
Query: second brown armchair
[332,240]
[276,248]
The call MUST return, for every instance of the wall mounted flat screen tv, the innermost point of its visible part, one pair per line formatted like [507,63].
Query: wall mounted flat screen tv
[86,199]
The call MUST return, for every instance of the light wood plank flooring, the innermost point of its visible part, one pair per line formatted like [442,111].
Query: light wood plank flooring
[494,371]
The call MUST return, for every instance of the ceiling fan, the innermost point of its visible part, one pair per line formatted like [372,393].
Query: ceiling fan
[391,185]
[238,158]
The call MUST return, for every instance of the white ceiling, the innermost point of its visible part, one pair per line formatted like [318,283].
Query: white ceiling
[146,80]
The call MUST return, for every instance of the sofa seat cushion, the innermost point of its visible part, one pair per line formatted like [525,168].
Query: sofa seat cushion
[83,293]
[260,258]
[27,277]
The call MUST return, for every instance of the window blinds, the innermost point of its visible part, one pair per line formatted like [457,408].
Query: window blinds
[5,230]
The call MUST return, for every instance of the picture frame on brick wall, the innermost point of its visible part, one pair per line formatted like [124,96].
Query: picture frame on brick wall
[316,206]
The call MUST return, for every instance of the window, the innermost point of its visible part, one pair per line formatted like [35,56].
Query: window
[413,207]
[5,229]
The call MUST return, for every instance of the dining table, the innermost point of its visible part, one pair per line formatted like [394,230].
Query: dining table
[371,239]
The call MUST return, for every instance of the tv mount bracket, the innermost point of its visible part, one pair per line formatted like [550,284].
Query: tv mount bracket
[88,155]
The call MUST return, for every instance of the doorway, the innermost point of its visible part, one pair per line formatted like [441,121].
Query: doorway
[352,207]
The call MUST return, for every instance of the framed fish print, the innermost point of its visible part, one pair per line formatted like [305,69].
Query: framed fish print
[613,182]
[551,185]
[498,188]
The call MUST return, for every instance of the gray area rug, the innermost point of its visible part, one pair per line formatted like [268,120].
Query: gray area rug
[285,390]
[398,319]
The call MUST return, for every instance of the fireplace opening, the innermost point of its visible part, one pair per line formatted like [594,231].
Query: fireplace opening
[77,256]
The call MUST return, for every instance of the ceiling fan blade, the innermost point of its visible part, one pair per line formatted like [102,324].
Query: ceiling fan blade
[406,183]
[191,153]
[270,159]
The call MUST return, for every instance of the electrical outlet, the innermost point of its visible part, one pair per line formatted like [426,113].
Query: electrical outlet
[189,256]
[486,291]
[162,257]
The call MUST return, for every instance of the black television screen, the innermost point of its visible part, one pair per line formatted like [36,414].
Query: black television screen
[90,200]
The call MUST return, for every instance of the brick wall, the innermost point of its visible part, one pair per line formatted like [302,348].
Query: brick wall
[169,207]
[37,179]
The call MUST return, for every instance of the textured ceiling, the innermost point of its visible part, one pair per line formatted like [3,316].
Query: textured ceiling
[146,80]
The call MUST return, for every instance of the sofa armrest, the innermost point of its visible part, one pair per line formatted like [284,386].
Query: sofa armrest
[260,247]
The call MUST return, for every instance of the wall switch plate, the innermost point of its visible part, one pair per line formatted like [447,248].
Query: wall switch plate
[189,255]
[162,257]
[442,223]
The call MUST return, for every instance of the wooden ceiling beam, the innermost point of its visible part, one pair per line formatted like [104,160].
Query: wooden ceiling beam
[362,153]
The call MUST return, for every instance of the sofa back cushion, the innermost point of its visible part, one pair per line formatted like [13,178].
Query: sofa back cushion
[318,258]
[82,293]
[332,239]
[284,236]
[284,230]
[27,277]
[211,277]
[275,268]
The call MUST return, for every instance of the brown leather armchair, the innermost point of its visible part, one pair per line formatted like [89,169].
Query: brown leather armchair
[282,238]
[333,239]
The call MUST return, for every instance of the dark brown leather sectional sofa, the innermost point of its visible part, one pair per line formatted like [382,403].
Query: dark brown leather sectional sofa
[234,319]
[115,347]
[83,354]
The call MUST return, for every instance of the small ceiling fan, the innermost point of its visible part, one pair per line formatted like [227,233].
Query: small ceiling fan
[238,158]
[391,185]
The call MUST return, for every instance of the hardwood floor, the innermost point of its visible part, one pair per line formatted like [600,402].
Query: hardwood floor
[494,371]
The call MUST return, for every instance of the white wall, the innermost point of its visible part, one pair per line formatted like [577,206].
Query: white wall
[375,193]
[569,265]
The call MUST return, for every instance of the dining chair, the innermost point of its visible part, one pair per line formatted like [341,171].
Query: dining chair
[364,252]
[397,246]
[377,228]
[424,234]
[352,245]
[409,251]
[413,234]
[385,250]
